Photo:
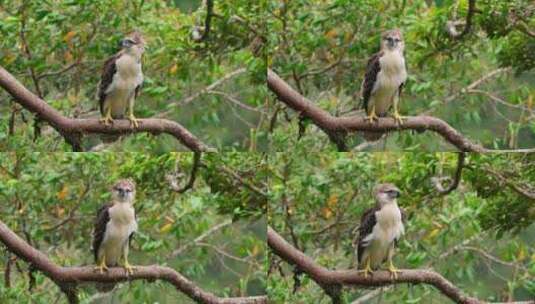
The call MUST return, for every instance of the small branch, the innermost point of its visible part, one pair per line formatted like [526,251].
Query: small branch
[493,258]
[339,125]
[205,90]
[192,176]
[242,181]
[325,277]
[528,193]
[456,179]
[208,19]
[451,25]
[200,238]
[61,71]
[68,277]
[74,128]
[73,210]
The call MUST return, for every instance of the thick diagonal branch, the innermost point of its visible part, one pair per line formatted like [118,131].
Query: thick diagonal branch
[67,277]
[73,128]
[331,124]
[325,277]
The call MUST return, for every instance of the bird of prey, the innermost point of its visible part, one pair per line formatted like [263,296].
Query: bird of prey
[380,229]
[121,81]
[384,79]
[114,227]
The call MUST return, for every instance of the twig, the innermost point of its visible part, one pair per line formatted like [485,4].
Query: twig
[200,238]
[192,176]
[203,91]
[456,179]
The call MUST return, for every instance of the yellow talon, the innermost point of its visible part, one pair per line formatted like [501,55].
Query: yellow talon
[398,118]
[133,120]
[367,269]
[102,266]
[372,116]
[129,268]
[107,120]
[393,270]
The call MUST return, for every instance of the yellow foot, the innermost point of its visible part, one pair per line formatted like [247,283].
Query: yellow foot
[372,117]
[129,268]
[393,271]
[101,268]
[367,271]
[107,120]
[133,121]
[398,118]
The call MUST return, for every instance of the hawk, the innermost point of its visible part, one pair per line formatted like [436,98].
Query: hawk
[380,229]
[384,79]
[121,81]
[114,227]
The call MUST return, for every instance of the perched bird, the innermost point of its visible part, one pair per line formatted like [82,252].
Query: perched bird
[384,79]
[380,229]
[121,81]
[114,227]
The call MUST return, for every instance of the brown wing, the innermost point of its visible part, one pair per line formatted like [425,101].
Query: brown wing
[372,69]
[138,91]
[103,217]
[108,71]
[367,222]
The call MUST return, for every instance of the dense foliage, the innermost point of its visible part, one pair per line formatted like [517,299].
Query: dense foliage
[321,48]
[57,49]
[51,201]
[318,201]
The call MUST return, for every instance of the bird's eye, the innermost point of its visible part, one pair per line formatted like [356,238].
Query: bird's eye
[397,40]
[128,190]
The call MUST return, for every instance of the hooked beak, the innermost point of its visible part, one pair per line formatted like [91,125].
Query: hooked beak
[391,43]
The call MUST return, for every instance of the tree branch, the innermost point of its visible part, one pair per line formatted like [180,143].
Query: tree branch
[339,125]
[456,179]
[450,26]
[200,238]
[74,128]
[208,19]
[68,277]
[192,176]
[325,277]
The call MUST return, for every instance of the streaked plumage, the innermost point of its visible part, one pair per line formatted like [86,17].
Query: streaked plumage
[121,81]
[384,79]
[380,229]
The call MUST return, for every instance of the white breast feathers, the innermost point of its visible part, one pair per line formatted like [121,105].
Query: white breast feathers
[389,224]
[122,223]
[389,78]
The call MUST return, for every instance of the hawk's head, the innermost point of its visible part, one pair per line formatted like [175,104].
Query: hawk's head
[124,191]
[386,193]
[392,40]
[133,42]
